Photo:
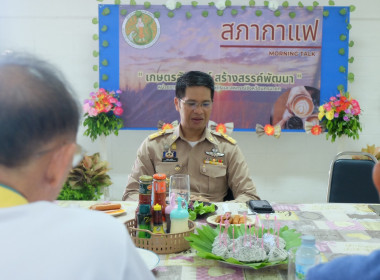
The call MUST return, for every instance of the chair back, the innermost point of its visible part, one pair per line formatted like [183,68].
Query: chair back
[350,180]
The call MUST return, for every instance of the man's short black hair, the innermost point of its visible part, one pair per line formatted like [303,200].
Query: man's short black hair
[193,79]
[36,107]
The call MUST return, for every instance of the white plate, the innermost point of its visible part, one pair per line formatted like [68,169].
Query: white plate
[211,220]
[114,213]
[151,259]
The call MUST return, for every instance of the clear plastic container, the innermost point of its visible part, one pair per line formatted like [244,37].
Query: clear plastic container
[179,217]
[307,256]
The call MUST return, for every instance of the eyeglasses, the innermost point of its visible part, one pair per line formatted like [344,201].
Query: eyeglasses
[194,105]
[78,155]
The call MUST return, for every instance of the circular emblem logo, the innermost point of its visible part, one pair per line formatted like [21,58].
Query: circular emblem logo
[141,29]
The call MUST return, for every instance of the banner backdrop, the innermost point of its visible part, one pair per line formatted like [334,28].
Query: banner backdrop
[268,69]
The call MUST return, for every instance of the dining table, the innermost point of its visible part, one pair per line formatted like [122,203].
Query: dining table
[339,229]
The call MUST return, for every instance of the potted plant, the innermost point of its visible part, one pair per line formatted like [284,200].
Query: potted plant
[87,180]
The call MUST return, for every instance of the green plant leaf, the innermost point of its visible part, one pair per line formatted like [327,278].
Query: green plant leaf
[96,85]
[157,14]
[170,14]
[277,13]
[258,13]
[351,44]
[351,59]
[228,3]
[117,2]
[292,14]
[188,15]
[351,77]
[211,4]
[106,12]
[315,4]
[342,69]
[331,3]
[352,8]
[252,3]
[95,21]
[285,4]
[326,13]
[340,87]
[310,8]
[341,51]
[105,43]
[147,5]
[123,12]
[104,28]
[234,12]
[95,67]
[132,3]
[243,8]
[342,37]
[205,13]
[105,62]
[104,77]
[95,37]
[343,12]
[202,242]
[266,3]
[300,4]
[95,53]
[220,12]
[194,3]
[178,5]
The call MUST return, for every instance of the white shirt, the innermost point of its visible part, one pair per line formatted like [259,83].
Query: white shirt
[44,241]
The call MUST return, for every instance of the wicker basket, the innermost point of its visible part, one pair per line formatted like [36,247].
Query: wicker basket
[160,243]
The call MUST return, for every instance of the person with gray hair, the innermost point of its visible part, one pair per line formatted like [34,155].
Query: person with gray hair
[39,118]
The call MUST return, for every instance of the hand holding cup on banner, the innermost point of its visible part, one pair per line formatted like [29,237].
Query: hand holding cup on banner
[180,186]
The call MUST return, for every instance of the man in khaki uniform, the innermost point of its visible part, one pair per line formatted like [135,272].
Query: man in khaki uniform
[213,160]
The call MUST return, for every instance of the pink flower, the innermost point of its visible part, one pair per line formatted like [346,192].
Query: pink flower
[118,111]
[107,108]
[112,100]
[346,118]
[336,115]
[118,104]
[118,91]
[332,98]
[327,106]
[86,107]
[356,106]
[92,112]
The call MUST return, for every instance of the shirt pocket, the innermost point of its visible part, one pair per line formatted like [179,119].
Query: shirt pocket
[216,177]
[169,168]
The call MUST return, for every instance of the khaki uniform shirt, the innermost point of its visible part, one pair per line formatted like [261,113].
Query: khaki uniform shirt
[214,164]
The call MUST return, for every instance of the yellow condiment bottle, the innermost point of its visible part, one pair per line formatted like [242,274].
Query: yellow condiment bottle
[157,219]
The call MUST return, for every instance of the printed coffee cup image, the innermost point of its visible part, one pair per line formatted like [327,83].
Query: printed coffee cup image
[300,102]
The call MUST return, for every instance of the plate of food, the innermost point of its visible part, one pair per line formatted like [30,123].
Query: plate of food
[236,219]
[150,258]
[113,209]
[239,247]
[200,209]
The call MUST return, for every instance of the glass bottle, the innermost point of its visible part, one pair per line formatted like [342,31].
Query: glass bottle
[159,191]
[144,217]
[157,219]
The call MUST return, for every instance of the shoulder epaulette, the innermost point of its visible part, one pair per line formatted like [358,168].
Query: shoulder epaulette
[159,133]
[225,136]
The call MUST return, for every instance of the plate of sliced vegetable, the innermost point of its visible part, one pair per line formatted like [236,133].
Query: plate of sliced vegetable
[200,209]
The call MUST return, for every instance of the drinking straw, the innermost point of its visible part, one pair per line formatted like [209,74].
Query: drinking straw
[233,239]
[245,225]
[220,229]
[226,225]
[267,217]
[250,235]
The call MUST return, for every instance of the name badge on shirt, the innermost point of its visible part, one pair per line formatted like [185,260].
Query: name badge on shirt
[169,156]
